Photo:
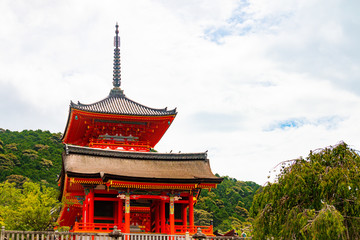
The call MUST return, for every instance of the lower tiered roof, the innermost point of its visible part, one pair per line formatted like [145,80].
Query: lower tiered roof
[85,162]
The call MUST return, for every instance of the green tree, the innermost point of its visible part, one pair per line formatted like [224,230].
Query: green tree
[326,225]
[227,205]
[1,146]
[202,217]
[32,154]
[19,180]
[313,198]
[32,208]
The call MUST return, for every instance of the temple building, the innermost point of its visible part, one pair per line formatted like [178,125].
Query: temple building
[112,176]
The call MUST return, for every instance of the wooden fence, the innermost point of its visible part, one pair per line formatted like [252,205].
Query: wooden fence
[54,235]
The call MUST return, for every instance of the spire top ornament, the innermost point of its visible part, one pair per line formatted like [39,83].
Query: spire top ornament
[117,38]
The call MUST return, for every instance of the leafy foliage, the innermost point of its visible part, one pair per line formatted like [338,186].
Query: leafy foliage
[19,180]
[326,225]
[32,154]
[314,198]
[227,205]
[32,208]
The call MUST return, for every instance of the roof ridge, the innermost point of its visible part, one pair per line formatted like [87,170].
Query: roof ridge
[113,104]
[135,155]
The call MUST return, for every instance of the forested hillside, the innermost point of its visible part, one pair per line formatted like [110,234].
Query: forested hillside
[36,155]
[30,154]
[228,205]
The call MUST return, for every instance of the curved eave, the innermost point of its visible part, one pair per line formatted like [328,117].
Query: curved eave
[118,115]
[67,125]
[107,177]
[127,105]
[83,162]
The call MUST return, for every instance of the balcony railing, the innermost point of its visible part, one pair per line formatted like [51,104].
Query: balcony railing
[95,227]
[106,228]
[179,229]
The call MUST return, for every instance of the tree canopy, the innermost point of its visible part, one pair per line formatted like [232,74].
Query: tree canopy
[34,155]
[227,205]
[313,198]
[33,207]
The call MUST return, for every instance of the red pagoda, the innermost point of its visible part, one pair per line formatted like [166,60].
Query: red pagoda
[111,175]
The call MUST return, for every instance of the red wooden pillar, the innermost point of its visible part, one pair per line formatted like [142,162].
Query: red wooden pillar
[191,210]
[184,215]
[85,211]
[172,215]
[127,213]
[91,205]
[162,216]
[85,208]
[120,213]
[157,217]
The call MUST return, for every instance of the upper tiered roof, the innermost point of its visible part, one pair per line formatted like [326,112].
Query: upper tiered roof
[122,105]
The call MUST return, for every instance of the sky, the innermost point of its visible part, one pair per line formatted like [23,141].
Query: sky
[255,82]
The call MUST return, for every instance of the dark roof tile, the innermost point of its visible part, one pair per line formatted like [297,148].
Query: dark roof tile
[122,105]
[137,166]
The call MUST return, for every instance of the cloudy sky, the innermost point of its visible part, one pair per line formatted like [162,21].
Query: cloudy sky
[255,82]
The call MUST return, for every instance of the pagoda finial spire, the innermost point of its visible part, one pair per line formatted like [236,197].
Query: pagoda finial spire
[116,91]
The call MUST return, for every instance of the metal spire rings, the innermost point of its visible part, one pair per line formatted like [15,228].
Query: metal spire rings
[116,91]
[117,68]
